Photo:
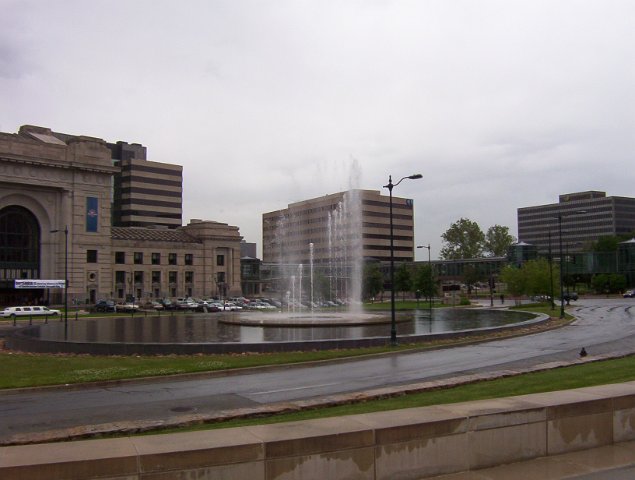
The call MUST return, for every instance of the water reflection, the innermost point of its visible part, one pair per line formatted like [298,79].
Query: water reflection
[205,328]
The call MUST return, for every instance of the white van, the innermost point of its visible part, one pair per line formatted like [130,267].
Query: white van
[28,311]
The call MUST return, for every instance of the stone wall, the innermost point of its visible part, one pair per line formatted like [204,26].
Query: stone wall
[401,444]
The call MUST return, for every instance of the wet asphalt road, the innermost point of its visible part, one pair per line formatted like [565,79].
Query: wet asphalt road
[603,326]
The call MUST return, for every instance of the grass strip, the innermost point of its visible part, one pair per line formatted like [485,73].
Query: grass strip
[578,376]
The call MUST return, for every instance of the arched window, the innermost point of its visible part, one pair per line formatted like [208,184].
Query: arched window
[19,243]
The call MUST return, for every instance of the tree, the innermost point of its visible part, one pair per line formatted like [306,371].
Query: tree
[424,281]
[321,287]
[537,277]
[471,276]
[373,280]
[608,282]
[403,279]
[464,239]
[533,278]
[514,278]
[607,243]
[498,240]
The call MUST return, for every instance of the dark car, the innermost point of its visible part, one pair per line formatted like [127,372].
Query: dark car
[104,306]
[206,307]
[167,304]
[570,296]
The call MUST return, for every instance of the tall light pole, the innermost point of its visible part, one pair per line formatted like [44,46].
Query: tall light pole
[560,217]
[393,323]
[552,301]
[430,271]
[65,277]
[561,267]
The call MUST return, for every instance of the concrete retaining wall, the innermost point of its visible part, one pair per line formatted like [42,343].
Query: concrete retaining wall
[402,444]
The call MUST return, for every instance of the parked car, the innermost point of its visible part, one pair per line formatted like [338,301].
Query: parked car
[186,304]
[205,306]
[629,294]
[570,296]
[154,305]
[127,307]
[231,306]
[542,298]
[104,306]
[28,311]
[167,304]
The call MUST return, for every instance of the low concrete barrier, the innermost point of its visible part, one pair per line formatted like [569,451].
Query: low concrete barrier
[399,444]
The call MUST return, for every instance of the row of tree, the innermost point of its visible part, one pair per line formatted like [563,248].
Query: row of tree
[418,279]
[465,239]
[539,278]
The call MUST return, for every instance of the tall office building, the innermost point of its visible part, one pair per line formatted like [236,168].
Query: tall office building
[146,193]
[582,217]
[337,222]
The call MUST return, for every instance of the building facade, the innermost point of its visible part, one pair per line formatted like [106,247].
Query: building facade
[56,222]
[582,218]
[334,223]
[145,193]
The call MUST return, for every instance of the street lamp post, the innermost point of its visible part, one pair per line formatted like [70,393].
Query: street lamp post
[430,271]
[561,266]
[65,277]
[393,323]
[552,301]
[560,217]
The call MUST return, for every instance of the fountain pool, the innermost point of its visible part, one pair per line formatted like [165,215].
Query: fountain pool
[247,332]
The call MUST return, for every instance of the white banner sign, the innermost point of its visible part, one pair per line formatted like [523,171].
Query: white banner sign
[39,283]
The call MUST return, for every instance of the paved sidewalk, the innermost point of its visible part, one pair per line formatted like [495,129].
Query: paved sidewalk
[614,462]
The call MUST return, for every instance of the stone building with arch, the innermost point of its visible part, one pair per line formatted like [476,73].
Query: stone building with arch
[56,204]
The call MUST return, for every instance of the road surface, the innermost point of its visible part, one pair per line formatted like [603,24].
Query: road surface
[603,326]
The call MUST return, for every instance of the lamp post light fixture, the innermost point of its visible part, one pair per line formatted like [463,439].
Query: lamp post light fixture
[393,323]
[560,216]
[430,271]
[65,277]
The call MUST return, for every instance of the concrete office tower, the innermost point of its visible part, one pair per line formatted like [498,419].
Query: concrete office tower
[145,194]
[292,229]
[585,216]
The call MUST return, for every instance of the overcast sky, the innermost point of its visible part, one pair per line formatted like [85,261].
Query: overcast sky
[499,104]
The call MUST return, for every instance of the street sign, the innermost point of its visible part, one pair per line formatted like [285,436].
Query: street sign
[33,283]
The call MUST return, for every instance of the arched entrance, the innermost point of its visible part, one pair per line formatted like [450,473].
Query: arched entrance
[19,255]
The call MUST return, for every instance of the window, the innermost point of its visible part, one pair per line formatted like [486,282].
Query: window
[189,277]
[120,277]
[189,259]
[156,276]
[172,258]
[156,258]
[220,277]
[91,256]
[138,277]
[172,277]
[138,258]
[120,257]
[220,260]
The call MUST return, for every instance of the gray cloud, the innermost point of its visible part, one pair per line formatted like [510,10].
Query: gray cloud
[499,104]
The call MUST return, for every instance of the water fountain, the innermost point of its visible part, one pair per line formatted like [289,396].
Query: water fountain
[342,267]
[291,328]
